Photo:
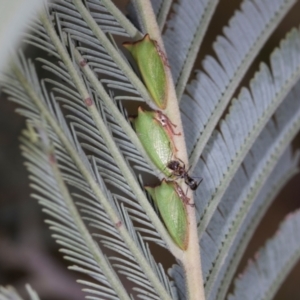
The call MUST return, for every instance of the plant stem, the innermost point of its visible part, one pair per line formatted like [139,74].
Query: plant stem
[191,257]
[148,19]
[191,261]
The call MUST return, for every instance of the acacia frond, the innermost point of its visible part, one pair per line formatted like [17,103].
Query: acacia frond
[74,177]
[208,95]
[238,201]
[76,243]
[247,199]
[183,36]
[263,275]
[247,117]
[284,171]
[9,293]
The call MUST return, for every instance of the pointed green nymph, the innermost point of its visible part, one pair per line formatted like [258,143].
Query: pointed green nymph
[155,133]
[151,62]
[171,203]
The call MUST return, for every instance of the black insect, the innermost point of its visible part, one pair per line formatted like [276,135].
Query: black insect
[179,171]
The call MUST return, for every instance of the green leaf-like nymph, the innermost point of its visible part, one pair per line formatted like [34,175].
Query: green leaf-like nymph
[171,202]
[155,133]
[151,62]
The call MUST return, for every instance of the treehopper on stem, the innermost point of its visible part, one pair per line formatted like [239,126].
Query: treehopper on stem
[171,203]
[155,132]
[151,62]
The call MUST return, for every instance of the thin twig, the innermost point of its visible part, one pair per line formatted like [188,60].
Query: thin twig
[191,258]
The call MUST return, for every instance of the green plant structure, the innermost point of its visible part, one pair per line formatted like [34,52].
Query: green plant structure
[171,202]
[151,63]
[156,138]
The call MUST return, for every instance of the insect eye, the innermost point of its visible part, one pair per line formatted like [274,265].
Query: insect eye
[163,121]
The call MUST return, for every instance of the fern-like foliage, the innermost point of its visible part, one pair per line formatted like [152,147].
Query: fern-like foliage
[242,205]
[262,272]
[209,93]
[184,33]
[74,242]
[285,169]
[238,130]
[88,168]
[238,201]
[9,293]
